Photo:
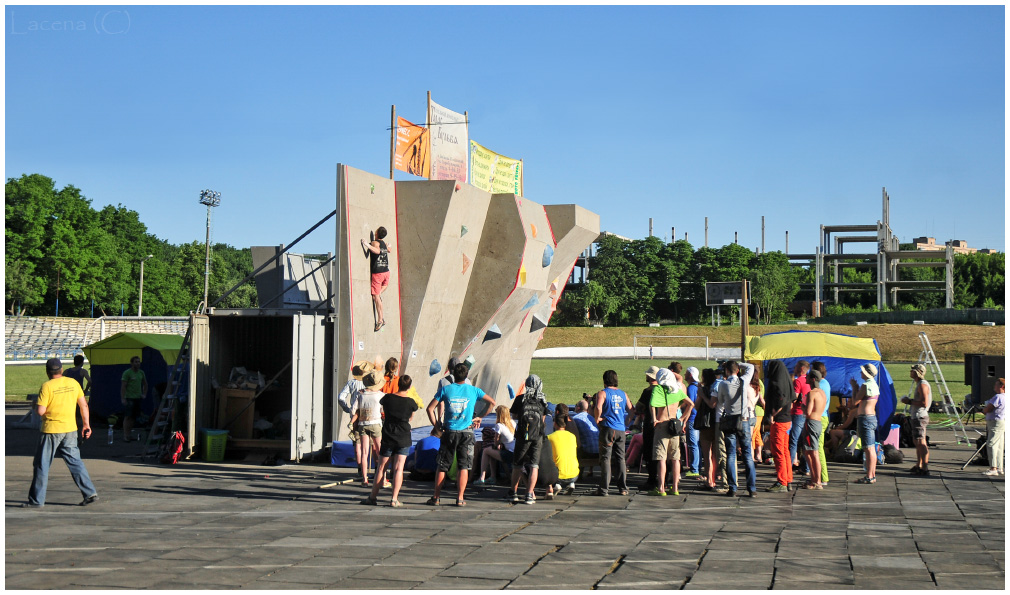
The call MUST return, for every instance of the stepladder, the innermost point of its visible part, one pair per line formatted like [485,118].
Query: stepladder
[176,389]
[941,392]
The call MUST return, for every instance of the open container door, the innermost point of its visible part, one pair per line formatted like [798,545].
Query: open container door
[308,401]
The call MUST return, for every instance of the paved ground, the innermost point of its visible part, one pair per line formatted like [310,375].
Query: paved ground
[204,525]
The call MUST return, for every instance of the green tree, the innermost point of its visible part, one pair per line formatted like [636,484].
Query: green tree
[773,285]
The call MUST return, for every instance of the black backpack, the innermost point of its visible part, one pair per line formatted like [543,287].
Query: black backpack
[533,418]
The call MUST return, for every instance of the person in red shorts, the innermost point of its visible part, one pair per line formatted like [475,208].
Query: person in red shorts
[378,254]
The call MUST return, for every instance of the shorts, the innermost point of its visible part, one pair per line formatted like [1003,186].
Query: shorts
[373,430]
[919,426]
[664,444]
[389,451]
[527,453]
[810,439]
[458,445]
[867,428]
[379,282]
[133,407]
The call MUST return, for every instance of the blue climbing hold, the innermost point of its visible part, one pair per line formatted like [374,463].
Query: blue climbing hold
[434,368]
[533,302]
[548,256]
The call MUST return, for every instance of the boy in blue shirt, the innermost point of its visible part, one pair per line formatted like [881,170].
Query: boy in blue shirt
[457,400]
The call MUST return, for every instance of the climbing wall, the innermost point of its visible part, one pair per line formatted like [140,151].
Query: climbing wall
[477,276]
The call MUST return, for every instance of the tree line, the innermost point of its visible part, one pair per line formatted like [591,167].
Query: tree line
[58,247]
[647,280]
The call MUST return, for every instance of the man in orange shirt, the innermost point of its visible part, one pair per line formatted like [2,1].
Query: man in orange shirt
[56,405]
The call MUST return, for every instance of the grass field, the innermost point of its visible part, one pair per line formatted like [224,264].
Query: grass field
[21,380]
[566,379]
[897,342]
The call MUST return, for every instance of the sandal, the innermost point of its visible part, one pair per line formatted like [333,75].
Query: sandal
[623,492]
[460,502]
[395,503]
[433,501]
[867,480]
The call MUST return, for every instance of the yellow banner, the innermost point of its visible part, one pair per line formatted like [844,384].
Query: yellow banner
[495,173]
[412,149]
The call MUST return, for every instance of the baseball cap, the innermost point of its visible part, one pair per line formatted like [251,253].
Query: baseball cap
[651,372]
[54,364]
[694,373]
[815,375]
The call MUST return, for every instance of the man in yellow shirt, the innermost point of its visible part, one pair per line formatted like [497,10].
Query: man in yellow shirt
[57,404]
[563,445]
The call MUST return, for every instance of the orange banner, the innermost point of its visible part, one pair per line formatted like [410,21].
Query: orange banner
[412,149]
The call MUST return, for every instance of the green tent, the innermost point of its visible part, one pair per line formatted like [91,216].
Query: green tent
[110,357]
[121,347]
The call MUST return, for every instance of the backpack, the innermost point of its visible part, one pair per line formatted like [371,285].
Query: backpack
[892,455]
[173,449]
[905,432]
[532,418]
[849,450]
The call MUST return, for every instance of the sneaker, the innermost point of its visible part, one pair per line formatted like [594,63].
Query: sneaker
[867,480]
[789,487]
[570,489]
[387,484]
[676,493]
[30,505]
[549,496]
[600,492]
[89,500]
[516,498]
[777,489]
[480,483]
[914,469]
[657,492]
[731,493]
[624,492]
[751,494]
[691,474]
[924,473]
[991,472]
[531,498]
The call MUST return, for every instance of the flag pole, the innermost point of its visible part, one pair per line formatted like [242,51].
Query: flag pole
[392,142]
[427,123]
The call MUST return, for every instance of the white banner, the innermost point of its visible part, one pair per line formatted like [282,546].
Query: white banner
[449,144]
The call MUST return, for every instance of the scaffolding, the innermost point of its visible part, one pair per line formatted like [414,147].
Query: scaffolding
[830,260]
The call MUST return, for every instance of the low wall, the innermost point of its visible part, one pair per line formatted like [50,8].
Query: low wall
[694,353]
[936,316]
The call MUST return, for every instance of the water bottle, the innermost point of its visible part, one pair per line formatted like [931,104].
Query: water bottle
[110,433]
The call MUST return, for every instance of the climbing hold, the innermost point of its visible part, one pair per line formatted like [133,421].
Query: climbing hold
[434,368]
[470,361]
[522,276]
[492,333]
[466,262]
[462,230]
[512,391]
[533,302]
[548,256]
[533,228]
[554,284]
[537,324]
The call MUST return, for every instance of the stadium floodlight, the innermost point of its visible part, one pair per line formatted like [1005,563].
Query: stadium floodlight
[211,199]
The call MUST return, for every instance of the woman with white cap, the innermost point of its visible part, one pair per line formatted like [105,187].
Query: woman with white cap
[865,398]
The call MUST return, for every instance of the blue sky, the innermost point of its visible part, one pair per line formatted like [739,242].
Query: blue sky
[800,114]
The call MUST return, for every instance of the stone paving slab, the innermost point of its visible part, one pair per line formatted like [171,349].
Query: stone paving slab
[235,525]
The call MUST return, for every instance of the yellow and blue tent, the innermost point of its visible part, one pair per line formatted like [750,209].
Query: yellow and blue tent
[841,354]
[111,356]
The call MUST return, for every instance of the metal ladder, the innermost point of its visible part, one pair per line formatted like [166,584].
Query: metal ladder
[161,432]
[928,359]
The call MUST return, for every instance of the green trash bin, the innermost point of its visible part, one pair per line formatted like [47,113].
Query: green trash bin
[214,443]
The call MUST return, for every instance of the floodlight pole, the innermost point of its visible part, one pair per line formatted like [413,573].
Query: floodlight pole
[211,199]
[140,300]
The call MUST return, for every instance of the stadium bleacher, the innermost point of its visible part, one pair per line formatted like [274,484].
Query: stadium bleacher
[40,338]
